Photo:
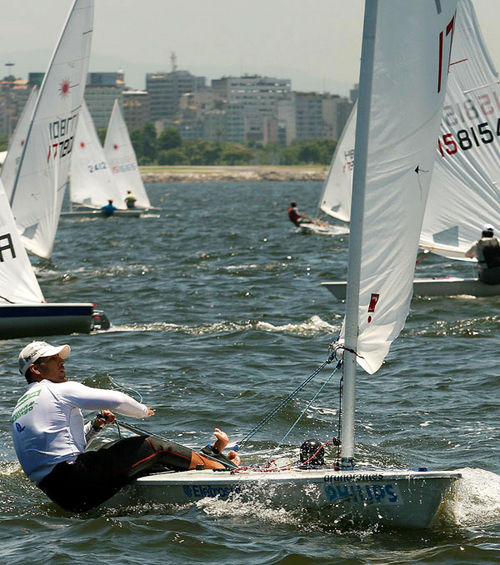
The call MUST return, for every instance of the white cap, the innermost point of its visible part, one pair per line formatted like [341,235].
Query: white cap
[37,349]
[488,227]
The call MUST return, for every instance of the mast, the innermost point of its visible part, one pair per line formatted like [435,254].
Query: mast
[355,238]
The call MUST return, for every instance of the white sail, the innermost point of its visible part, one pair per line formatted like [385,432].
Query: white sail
[16,146]
[38,190]
[122,160]
[92,181]
[401,115]
[465,191]
[17,279]
[336,198]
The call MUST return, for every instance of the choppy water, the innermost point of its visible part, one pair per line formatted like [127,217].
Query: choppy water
[218,314]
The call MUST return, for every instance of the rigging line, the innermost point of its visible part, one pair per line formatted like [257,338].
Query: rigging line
[284,402]
[302,414]
[121,387]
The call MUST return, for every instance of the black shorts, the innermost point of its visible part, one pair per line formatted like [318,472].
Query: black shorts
[96,476]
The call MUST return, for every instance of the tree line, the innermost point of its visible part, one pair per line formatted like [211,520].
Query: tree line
[168,148]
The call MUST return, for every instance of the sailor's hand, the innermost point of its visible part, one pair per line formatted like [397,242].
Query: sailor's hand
[222,439]
[104,418]
[150,412]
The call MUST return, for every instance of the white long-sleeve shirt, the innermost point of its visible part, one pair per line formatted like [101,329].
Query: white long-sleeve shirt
[48,426]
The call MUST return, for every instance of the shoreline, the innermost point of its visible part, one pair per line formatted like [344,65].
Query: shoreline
[153,174]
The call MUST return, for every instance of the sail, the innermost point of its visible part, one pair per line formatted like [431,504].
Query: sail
[17,279]
[122,160]
[399,111]
[38,190]
[465,191]
[11,164]
[92,181]
[336,198]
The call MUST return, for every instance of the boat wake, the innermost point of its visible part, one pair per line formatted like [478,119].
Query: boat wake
[475,499]
[314,325]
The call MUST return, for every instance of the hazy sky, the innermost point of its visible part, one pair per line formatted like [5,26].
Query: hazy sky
[316,43]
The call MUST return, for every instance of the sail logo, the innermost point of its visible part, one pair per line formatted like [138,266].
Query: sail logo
[373,303]
[66,86]
[6,246]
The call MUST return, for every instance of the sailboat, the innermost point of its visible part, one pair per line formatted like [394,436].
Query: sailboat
[465,189]
[122,160]
[402,84]
[92,182]
[39,175]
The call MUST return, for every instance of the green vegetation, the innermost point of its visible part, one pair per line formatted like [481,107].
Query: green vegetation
[169,149]
[4,142]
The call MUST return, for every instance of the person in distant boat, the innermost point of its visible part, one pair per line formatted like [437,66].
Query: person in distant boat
[130,200]
[51,438]
[487,252]
[295,216]
[109,209]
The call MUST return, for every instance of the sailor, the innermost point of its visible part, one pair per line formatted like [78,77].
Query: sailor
[130,200]
[51,438]
[109,209]
[294,215]
[487,252]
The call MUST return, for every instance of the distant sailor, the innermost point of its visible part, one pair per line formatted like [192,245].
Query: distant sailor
[109,209]
[487,252]
[51,438]
[294,215]
[130,200]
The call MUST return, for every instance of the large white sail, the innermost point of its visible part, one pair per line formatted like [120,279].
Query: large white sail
[92,181]
[122,160]
[399,121]
[16,146]
[38,190]
[17,279]
[465,191]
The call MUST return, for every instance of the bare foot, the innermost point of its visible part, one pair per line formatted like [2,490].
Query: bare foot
[234,458]
[222,439]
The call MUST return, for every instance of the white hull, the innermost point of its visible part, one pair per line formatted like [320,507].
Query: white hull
[449,286]
[98,214]
[31,320]
[324,229]
[406,499]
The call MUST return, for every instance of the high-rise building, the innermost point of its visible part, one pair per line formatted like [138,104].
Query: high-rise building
[259,98]
[101,91]
[166,90]
[136,108]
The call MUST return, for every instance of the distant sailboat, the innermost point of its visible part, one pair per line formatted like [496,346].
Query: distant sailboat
[92,182]
[39,175]
[121,157]
[465,192]
[394,138]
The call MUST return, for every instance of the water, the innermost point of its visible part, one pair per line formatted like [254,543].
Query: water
[218,314]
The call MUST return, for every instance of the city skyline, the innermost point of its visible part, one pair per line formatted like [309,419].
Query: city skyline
[317,49]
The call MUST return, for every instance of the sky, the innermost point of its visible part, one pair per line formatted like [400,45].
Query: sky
[315,43]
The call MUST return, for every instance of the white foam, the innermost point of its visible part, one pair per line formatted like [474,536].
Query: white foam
[475,499]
